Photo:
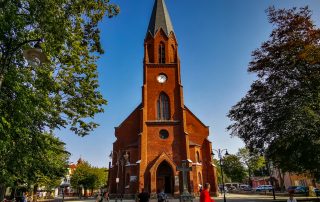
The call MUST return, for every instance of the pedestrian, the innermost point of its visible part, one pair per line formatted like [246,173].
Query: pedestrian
[291,198]
[24,197]
[205,194]
[200,188]
[162,197]
[99,198]
[106,197]
[144,196]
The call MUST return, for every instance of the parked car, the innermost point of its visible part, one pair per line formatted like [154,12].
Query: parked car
[232,188]
[245,187]
[297,189]
[263,188]
[221,188]
[317,191]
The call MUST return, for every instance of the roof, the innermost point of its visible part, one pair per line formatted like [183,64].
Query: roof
[195,116]
[160,19]
[139,106]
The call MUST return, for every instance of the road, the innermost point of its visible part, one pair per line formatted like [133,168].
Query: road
[229,197]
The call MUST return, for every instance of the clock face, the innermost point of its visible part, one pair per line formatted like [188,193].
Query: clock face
[162,78]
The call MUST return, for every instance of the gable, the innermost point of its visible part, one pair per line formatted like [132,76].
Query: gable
[197,130]
[189,112]
[130,127]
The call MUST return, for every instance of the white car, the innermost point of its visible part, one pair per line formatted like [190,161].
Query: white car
[263,188]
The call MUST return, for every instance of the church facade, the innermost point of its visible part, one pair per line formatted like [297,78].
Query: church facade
[161,132]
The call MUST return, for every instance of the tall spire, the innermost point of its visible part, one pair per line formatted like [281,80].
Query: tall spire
[160,19]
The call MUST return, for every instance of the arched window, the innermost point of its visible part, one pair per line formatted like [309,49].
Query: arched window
[163,109]
[150,53]
[173,54]
[162,53]
[128,159]
[199,178]
[198,156]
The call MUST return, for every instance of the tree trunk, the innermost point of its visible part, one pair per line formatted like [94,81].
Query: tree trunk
[281,176]
[35,188]
[1,80]
[2,191]
[79,192]
[249,173]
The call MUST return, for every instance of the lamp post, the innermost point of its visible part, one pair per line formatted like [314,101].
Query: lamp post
[219,152]
[34,56]
[270,176]
[271,180]
[120,159]
[63,185]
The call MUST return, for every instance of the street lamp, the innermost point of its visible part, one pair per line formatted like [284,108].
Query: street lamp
[219,151]
[120,159]
[270,176]
[108,177]
[34,56]
[63,185]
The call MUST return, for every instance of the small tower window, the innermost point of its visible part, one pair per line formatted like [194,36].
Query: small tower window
[163,107]
[162,53]
[173,54]
[150,53]
[198,157]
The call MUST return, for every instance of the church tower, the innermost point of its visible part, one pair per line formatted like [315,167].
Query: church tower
[161,131]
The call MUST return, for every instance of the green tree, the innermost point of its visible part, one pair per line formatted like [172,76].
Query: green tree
[88,177]
[63,92]
[252,161]
[280,113]
[102,175]
[219,176]
[233,168]
[40,161]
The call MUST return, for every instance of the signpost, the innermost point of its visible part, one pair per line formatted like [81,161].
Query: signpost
[185,196]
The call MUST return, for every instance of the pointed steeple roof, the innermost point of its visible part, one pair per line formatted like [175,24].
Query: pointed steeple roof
[160,19]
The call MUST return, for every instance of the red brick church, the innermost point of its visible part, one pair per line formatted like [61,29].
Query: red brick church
[161,132]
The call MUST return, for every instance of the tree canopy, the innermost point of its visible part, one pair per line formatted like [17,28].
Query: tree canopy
[42,160]
[88,176]
[35,100]
[233,168]
[280,114]
[252,161]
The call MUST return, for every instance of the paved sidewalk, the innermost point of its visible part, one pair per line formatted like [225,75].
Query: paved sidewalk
[229,197]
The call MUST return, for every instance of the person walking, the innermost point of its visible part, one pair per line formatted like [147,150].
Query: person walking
[205,194]
[143,196]
[291,198]
[99,198]
[106,197]
[162,197]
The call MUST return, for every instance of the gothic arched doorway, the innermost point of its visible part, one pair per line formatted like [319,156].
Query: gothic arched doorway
[165,178]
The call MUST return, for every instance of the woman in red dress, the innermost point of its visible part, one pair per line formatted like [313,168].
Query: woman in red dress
[205,194]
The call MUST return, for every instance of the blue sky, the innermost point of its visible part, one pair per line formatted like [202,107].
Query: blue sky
[215,37]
